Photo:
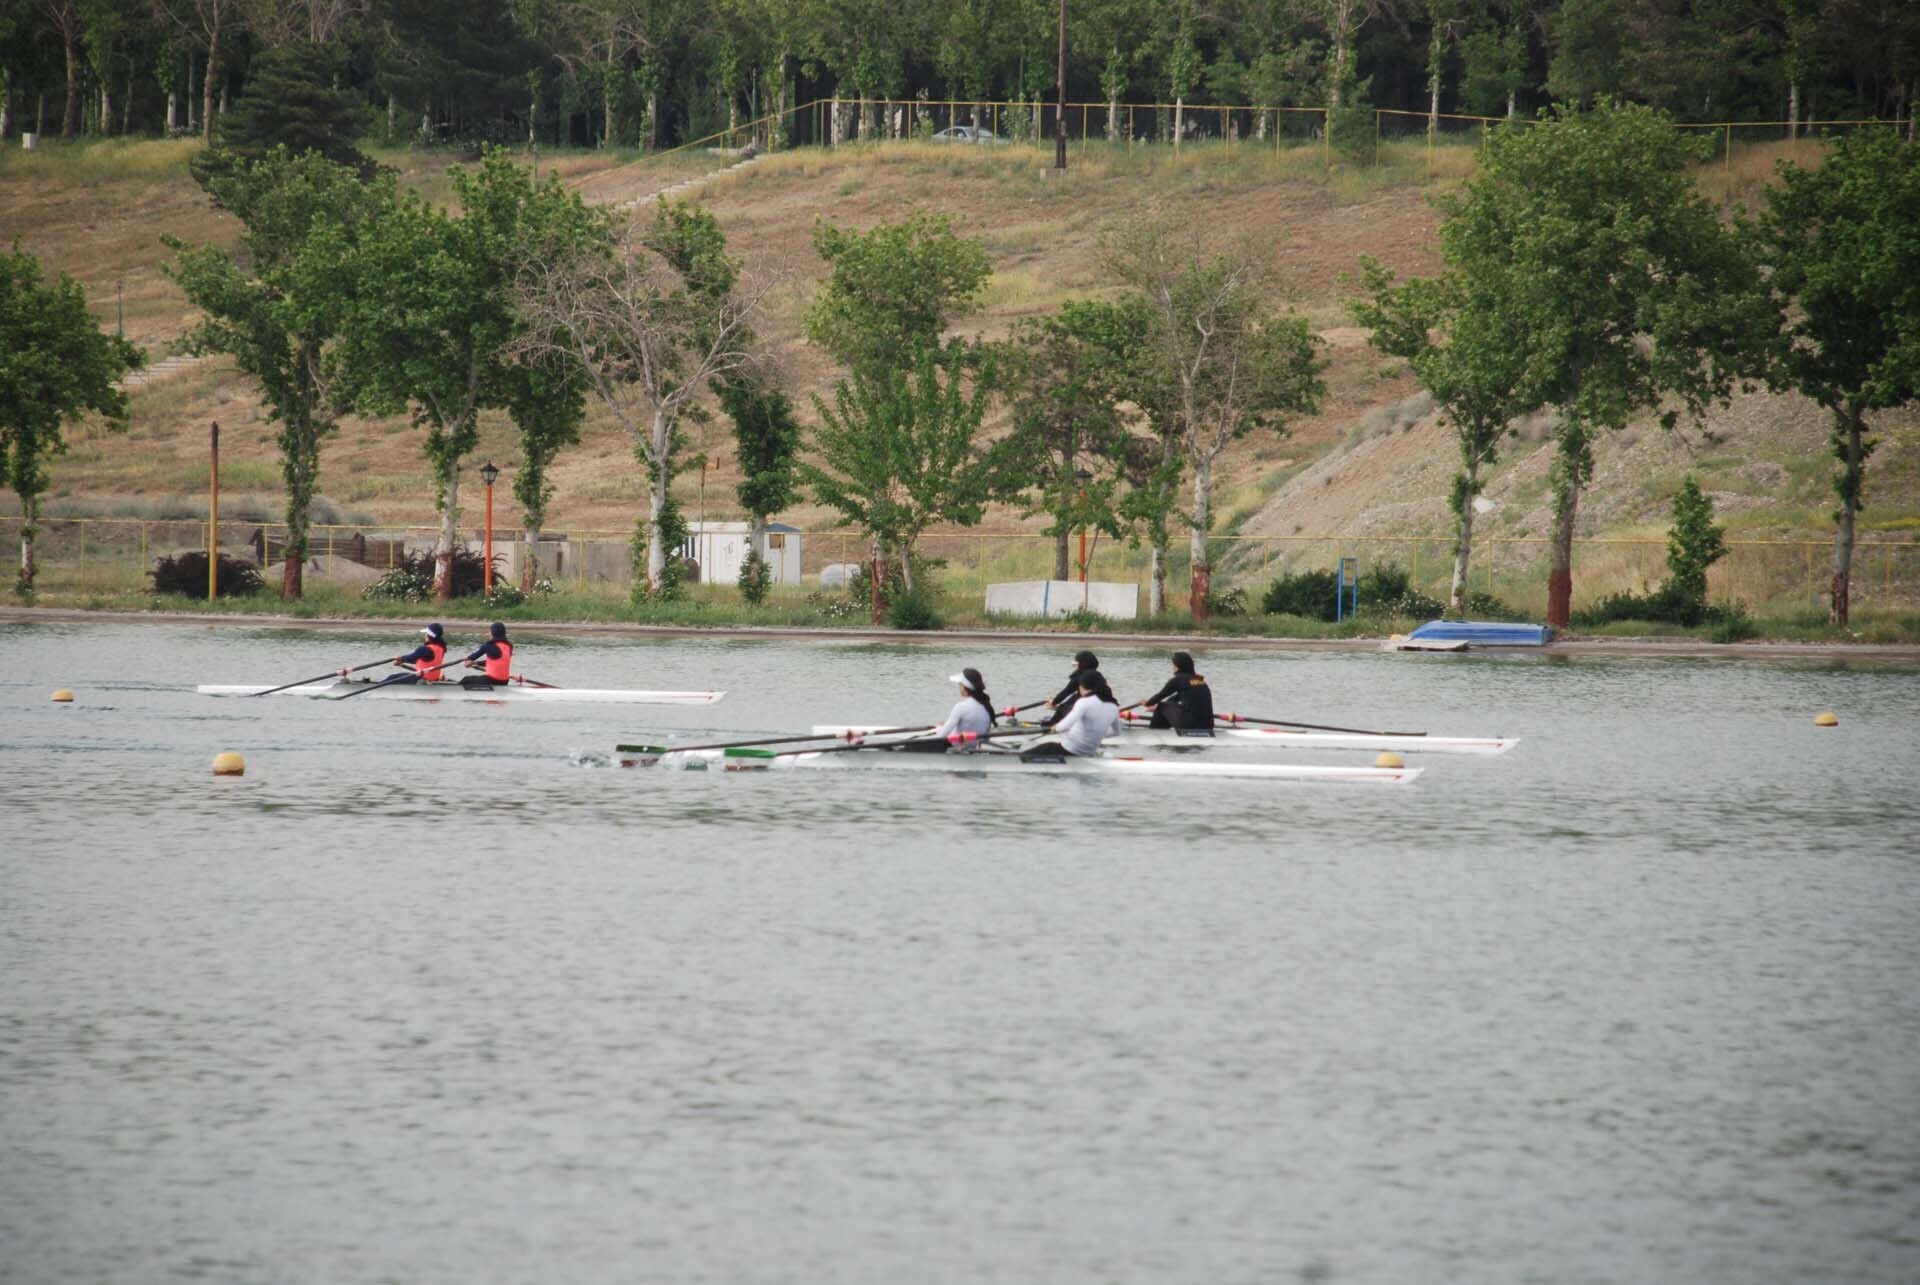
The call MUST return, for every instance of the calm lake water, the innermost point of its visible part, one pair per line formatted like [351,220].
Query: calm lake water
[436,994]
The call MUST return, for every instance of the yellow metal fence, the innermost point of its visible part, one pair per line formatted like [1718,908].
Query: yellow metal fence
[1773,574]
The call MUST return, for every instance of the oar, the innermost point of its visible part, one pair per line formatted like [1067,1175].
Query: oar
[331,673]
[771,740]
[957,739]
[522,678]
[1231,719]
[385,682]
[1011,710]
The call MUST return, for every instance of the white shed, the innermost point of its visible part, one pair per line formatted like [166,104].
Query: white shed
[720,548]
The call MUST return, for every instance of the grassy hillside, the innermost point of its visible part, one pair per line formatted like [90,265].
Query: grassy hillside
[1373,463]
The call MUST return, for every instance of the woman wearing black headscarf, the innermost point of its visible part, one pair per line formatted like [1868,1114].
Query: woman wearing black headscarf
[1186,702]
[1083,662]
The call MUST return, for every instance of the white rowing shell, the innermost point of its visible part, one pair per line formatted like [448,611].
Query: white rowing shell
[1279,738]
[986,761]
[453,691]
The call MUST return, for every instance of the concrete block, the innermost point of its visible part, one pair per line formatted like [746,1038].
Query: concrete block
[1051,599]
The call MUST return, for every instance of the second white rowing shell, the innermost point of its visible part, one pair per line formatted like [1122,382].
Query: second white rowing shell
[1105,764]
[454,691]
[1278,738]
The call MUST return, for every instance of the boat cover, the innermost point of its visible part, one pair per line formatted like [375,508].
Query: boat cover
[1484,633]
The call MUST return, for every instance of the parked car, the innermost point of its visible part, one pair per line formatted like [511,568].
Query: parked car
[967,134]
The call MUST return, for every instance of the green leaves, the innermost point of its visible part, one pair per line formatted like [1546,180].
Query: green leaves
[898,451]
[894,289]
[55,366]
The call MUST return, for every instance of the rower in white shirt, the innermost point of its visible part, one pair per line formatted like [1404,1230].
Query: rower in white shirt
[973,715]
[1093,718]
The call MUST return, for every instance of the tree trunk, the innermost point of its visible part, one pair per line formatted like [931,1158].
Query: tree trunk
[1793,110]
[70,116]
[393,112]
[1513,103]
[777,133]
[659,478]
[1113,117]
[6,102]
[1060,555]
[126,108]
[653,122]
[449,533]
[879,571]
[1849,427]
[1436,59]
[1200,574]
[106,108]
[1339,73]
[529,570]
[606,106]
[1157,581]
[206,94]
[1463,547]
[1566,502]
[1179,115]
[29,527]
[40,114]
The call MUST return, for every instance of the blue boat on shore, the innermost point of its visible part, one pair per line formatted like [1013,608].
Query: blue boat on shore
[1482,633]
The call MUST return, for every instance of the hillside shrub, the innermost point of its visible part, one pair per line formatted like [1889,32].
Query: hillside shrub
[1387,589]
[186,573]
[756,578]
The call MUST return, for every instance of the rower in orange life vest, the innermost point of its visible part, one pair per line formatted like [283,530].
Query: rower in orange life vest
[497,652]
[427,659]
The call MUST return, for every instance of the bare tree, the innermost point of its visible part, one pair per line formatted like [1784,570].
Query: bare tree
[1223,364]
[314,22]
[648,344]
[206,23]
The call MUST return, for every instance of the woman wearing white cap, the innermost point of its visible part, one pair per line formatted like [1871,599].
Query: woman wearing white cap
[426,659]
[974,713]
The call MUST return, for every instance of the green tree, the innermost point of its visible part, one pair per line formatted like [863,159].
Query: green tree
[289,102]
[435,312]
[1225,364]
[1461,344]
[1590,246]
[767,439]
[1694,543]
[900,451]
[278,305]
[55,366]
[1068,381]
[893,290]
[1843,241]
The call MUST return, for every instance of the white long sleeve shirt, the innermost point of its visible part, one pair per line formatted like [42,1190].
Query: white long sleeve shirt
[1090,721]
[968,716]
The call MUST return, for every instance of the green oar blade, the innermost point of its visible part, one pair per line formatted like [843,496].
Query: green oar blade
[744,753]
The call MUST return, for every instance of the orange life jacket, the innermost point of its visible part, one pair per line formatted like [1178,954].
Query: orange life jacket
[429,670]
[500,668]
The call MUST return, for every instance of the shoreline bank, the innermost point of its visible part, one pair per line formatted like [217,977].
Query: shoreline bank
[1651,647]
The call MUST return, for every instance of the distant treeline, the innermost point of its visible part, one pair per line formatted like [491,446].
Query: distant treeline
[657,72]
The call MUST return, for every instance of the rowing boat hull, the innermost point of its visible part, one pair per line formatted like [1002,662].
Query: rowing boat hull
[453,691]
[987,761]
[1279,738]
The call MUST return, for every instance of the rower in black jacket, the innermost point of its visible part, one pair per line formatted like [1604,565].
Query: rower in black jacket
[1186,702]
[1063,699]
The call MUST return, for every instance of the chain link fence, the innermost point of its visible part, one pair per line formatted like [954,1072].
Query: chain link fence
[1766,575]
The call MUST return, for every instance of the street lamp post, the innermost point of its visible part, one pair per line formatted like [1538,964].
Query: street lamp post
[488,475]
[1081,476]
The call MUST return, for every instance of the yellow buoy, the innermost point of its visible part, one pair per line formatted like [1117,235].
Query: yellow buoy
[229,764]
[63,695]
[1826,719]
[1389,759]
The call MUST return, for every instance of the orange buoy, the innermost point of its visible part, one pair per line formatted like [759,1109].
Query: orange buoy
[1388,758]
[63,696]
[229,764]
[1826,719]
